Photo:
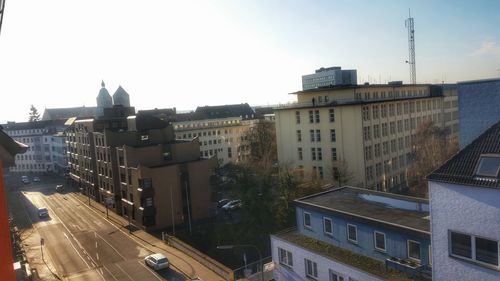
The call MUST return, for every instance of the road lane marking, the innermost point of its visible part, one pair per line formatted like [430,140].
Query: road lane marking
[96,244]
[124,271]
[66,235]
[154,273]
[76,240]
[110,246]
[97,255]
[109,272]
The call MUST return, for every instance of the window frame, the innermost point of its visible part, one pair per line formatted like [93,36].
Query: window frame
[288,258]
[408,241]
[340,276]
[356,231]
[324,226]
[474,250]
[375,241]
[314,268]
[304,220]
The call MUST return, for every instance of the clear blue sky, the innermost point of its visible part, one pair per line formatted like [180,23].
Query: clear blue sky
[185,54]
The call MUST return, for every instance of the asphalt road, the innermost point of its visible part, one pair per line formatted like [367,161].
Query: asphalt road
[82,244]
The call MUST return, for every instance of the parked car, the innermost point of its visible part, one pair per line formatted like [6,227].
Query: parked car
[222,202]
[43,212]
[232,205]
[36,179]
[156,261]
[25,179]
[59,187]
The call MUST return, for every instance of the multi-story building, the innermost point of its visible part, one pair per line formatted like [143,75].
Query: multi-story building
[479,102]
[360,135]
[45,153]
[355,234]
[135,166]
[329,76]
[464,198]
[220,129]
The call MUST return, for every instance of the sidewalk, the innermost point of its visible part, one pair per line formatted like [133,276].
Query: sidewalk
[30,239]
[185,264]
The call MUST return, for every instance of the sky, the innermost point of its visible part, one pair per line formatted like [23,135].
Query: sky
[186,54]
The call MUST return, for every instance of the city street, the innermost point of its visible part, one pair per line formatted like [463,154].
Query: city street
[83,245]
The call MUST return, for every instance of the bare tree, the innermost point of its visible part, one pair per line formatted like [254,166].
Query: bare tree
[432,146]
[261,139]
[34,115]
[342,175]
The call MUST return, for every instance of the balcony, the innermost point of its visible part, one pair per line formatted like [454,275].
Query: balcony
[408,266]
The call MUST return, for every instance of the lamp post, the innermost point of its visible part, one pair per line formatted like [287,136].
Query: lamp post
[229,247]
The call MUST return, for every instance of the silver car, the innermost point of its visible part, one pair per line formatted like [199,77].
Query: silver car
[156,261]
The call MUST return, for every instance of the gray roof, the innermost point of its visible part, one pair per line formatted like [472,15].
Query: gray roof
[65,113]
[461,168]
[242,110]
[357,203]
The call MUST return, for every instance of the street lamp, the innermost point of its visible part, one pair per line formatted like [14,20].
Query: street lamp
[230,247]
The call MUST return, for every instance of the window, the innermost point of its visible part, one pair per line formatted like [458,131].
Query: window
[334,154]
[352,233]
[377,149]
[320,171]
[384,130]
[367,133]
[333,136]
[285,257]
[379,241]
[297,117]
[332,115]
[313,153]
[311,116]
[327,226]
[311,269]
[299,136]
[368,152]
[413,250]
[316,113]
[376,131]
[318,135]
[335,276]
[311,133]
[320,154]
[307,220]
[474,248]
[392,128]
[375,112]
[366,113]
[299,153]
[400,126]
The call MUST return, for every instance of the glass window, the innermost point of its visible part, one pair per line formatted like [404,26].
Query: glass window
[333,136]
[335,276]
[307,220]
[379,240]
[327,226]
[461,245]
[332,115]
[299,136]
[297,117]
[311,269]
[414,250]
[487,251]
[285,257]
[352,233]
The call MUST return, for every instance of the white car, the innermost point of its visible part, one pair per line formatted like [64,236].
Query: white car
[36,179]
[157,261]
[232,205]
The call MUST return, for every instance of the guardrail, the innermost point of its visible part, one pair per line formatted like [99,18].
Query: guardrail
[207,261]
[252,270]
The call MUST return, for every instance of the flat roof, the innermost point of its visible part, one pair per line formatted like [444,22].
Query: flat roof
[373,206]
[360,86]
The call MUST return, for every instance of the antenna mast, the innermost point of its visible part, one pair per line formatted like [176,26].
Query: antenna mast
[411,48]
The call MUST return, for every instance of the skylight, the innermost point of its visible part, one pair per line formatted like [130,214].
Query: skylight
[488,166]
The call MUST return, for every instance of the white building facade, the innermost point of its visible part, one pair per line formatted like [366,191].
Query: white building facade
[330,76]
[465,212]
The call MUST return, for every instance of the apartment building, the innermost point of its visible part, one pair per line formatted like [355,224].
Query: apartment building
[220,129]
[360,135]
[45,153]
[464,198]
[329,76]
[353,233]
[134,165]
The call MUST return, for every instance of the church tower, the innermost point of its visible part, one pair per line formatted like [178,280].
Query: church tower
[104,98]
[121,97]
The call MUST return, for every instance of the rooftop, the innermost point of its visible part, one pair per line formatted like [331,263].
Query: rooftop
[364,263]
[362,86]
[65,113]
[403,212]
[464,168]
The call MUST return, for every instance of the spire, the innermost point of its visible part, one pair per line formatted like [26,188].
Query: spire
[102,84]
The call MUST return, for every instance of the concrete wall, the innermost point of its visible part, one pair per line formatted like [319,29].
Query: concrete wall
[297,272]
[396,242]
[470,210]
[479,104]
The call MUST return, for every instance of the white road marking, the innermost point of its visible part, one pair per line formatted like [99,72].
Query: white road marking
[76,250]
[97,255]
[96,244]
[154,273]
[124,271]
[109,272]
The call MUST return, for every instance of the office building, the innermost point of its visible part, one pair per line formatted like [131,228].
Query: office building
[464,198]
[479,103]
[352,233]
[134,165]
[360,135]
[46,152]
[330,76]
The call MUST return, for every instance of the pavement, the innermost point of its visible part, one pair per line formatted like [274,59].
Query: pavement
[81,243]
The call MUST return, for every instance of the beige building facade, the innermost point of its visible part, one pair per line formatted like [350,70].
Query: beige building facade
[360,135]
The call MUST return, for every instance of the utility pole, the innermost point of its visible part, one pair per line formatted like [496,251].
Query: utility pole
[172,210]
[2,10]
[188,207]
[411,48]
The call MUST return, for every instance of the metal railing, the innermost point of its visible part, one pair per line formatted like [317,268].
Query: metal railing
[251,271]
